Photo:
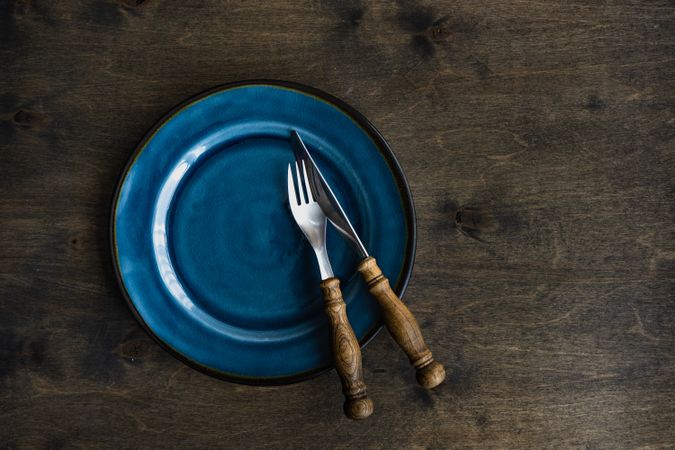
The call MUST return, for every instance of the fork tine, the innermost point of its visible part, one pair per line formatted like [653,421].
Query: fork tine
[301,195]
[292,195]
[308,187]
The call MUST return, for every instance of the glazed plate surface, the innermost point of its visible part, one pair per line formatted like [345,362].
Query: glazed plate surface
[205,247]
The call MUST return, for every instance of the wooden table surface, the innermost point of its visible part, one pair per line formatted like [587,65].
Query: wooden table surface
[538,139]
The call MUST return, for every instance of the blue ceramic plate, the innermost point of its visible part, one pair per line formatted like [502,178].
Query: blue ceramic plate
[205,247]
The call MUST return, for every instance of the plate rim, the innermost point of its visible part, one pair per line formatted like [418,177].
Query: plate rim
[382,146]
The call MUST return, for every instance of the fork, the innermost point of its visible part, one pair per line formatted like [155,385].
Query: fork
[346,350]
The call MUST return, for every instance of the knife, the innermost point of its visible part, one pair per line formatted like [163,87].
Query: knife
[397,317]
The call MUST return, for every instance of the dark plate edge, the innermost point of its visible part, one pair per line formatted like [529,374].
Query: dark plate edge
[391,161]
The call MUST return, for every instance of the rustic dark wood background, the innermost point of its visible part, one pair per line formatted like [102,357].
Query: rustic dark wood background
[538,138]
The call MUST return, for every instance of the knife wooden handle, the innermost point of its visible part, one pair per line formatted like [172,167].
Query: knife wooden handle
[346,353]
[402,325]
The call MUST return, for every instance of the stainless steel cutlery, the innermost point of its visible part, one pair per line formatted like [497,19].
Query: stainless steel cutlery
[346,350]
[311,216]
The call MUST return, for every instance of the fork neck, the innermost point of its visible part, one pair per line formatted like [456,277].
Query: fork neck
[324,263]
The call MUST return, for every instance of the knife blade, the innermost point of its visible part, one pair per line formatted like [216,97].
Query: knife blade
[325,197]
[400,322]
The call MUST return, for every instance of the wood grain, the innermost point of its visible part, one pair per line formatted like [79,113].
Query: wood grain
[346,353]
[402,325]
[537,137]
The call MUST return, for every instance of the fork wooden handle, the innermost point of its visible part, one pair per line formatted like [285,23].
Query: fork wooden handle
[346,352]
[402,325]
